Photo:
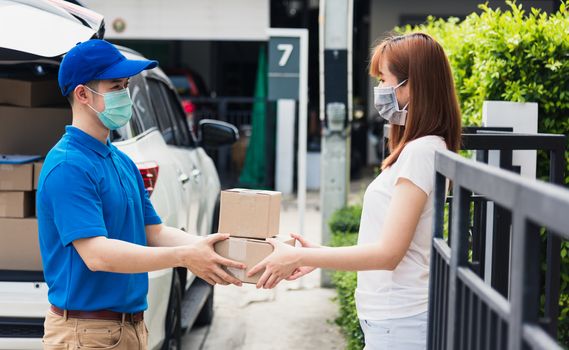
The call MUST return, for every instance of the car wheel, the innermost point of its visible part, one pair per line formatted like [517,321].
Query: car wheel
[206,314]
[173,339]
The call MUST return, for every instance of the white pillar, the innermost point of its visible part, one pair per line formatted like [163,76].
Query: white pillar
[284,167]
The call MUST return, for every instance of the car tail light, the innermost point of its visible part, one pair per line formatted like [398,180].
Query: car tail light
[149,172]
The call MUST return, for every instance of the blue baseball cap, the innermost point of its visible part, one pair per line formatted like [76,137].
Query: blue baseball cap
[96,60]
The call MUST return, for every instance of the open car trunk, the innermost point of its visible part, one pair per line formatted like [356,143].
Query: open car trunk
[31,123]
[33,115]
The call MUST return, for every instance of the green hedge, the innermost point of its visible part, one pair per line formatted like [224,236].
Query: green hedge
[513,55]
[344,225]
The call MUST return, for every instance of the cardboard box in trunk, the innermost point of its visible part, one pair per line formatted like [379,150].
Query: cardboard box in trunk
[250,213]
[30,92]
[16,204]
[31,130]
[37,171]
[20,245]
[248,251]
[16,177]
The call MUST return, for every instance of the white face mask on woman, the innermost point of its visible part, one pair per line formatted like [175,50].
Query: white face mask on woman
[385,102]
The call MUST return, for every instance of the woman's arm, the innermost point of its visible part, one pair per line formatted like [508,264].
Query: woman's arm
[400,224]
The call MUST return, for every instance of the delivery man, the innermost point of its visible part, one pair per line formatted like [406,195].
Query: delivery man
[99,234]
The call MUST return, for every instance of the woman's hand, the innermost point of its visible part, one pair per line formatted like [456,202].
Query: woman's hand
[299,272]
[303,270]
[282,262]
[304,242]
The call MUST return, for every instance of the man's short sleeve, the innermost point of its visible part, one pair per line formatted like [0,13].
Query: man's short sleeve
[418,166]
[71,193]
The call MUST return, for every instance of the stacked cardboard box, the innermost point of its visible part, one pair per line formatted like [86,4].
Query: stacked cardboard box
[250,217]
[33,115]
[18,226]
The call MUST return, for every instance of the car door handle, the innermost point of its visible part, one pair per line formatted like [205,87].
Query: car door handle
[196,175]
[183,178]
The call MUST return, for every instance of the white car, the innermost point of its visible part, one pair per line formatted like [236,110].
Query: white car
[182,180]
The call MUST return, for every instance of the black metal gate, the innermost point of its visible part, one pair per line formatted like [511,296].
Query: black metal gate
[464,311]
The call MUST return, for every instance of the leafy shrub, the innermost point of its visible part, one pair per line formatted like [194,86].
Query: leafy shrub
[344,225]
[346,220]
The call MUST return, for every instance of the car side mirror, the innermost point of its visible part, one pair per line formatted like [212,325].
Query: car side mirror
[215,133]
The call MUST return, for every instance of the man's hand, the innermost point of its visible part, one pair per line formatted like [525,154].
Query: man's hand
[204,262]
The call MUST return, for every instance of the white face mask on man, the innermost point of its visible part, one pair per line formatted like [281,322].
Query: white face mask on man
[385,102]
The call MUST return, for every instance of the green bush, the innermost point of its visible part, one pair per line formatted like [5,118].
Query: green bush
[346,219]
[510,56]
[344,225]
[513,55]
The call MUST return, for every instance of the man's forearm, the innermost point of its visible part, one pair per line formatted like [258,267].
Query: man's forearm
[111,255]
[165,236]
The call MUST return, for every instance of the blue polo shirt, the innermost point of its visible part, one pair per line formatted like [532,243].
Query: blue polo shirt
[87,189]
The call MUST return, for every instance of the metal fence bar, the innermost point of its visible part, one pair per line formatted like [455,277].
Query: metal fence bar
[459,257]
[536,338]
[557,164]
[433,339]
[494,300]
[525,278]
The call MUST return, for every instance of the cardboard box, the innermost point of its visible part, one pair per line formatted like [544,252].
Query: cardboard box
[248,251]
[31,130]
[20,245]
[16,177]
[16,204]
[31,92]
[250,213]
[37,171]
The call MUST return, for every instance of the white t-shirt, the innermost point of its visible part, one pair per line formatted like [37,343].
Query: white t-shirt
[403,292]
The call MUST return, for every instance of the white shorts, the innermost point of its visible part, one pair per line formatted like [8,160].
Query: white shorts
[409,333]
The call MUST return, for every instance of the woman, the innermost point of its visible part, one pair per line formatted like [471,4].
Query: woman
[394,244]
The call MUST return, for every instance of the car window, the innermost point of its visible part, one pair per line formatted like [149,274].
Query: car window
[182,84]
[162,111]
[144,115]
[178,116]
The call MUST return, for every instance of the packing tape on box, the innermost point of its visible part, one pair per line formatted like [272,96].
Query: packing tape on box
[7,167]
[237,251]
[237,273]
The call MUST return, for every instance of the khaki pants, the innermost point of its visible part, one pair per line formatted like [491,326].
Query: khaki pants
[63,333]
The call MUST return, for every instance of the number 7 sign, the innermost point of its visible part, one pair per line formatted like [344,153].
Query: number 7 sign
[284,64]
[287,50]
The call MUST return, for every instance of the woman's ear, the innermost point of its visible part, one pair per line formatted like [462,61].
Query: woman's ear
[403,96]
